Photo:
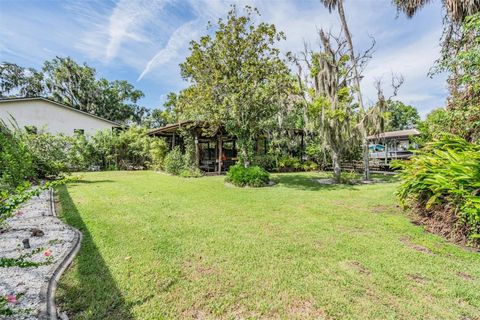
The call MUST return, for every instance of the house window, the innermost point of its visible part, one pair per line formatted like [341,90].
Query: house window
[79,131]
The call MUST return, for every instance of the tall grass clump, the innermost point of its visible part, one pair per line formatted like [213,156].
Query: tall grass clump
[442,181]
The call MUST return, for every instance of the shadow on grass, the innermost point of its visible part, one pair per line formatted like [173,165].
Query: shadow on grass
[308,182]
[384,178]
[89,291]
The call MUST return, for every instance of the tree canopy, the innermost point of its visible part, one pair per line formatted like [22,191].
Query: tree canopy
[237,78]
[401,116]
[66,81]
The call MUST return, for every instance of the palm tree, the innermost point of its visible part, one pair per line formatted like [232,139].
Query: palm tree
[456,10]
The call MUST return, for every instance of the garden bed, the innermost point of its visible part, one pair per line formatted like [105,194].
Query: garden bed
[28,272]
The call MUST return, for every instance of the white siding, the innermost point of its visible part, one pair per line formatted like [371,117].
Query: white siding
[50,117]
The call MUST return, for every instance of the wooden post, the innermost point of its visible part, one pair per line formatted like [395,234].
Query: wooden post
[220,153]
[197,149]
[386,154]
[173,141]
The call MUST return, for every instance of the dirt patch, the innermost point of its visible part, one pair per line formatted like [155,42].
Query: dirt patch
[442,220]
[418,278]
[325,181]
[195,269]
[354,230]
[416,247]
[195,314]
[166,284]
[385,209]
[304,309]
[465,276]
[359,267]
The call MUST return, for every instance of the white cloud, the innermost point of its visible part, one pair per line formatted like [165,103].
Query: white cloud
[146,40]
[178,42]
[413,61]
[126,24]
[118,30]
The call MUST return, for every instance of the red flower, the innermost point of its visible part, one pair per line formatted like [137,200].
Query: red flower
[11,298]
[47,253]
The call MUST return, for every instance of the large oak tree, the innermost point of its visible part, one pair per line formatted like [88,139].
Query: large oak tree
[237,78]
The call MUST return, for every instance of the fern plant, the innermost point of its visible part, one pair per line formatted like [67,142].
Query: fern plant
[446,173]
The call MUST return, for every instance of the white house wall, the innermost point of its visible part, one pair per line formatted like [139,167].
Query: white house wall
[50,117]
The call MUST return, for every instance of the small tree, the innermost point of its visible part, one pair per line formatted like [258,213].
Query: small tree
[238,79]
[328,87]
[328,97]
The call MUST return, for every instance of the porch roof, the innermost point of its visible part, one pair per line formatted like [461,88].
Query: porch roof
[169,129]
[395,134]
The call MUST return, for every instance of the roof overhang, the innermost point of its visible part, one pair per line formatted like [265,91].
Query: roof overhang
[399,134]
[170,129]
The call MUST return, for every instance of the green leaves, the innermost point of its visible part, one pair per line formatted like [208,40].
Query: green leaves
[238,79]
[401,116]
[447,173]
[66,81]
[253,176]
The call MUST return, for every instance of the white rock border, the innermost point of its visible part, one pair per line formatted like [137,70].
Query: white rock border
[36,284]
[47,293]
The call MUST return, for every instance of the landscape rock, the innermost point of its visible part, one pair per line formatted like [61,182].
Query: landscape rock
[28,284]
[37,232]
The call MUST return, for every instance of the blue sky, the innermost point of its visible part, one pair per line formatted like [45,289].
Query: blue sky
[144,41]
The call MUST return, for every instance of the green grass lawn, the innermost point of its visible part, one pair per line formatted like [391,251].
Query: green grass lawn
[163,247]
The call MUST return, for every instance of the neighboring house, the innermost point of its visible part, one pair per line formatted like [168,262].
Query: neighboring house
[46,115]
[392,145]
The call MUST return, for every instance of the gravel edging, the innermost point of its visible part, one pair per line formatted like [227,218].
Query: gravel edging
[47,292]
[50,239]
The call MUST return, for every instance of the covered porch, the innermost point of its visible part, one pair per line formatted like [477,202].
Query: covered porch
[215,152]
[392,145]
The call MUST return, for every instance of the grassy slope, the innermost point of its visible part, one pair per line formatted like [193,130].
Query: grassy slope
[157,247]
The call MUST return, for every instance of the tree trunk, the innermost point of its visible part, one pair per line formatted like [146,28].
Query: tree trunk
[336,166]
[245,161]
[341,13]
[366,174]
[220,153]
[243,153]
[197,150]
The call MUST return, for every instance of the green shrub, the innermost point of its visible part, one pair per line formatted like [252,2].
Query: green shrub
[132,148]
[79,154]
[309,165]
[158,152]
[16,163]
[349,177]
[192,172]
[266,161]
[50,154]
[10,201]
[174,161]
[445,177]
[289,163]
[252,176]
